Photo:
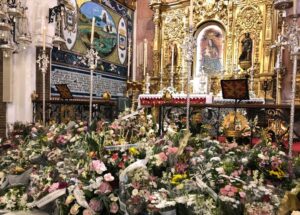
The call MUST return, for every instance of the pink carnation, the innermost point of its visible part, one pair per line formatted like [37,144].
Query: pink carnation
[61,140]
[227,188]
[114,208]
[242,194]
[95,205]
[108,177]
[105,188]
[230,194]
[162,156]
[223,192]
[172,150]
[233,189]
[98,166]
[87,212]
[53,187]
[57,185]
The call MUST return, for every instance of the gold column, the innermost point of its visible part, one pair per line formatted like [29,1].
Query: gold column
[267,67]
[156,6]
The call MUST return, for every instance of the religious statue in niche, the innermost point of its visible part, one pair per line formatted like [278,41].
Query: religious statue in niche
[245,58]
[210,49]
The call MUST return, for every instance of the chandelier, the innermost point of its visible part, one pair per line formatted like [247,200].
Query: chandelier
[14,34]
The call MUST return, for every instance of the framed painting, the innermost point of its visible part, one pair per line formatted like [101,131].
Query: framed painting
[210,39]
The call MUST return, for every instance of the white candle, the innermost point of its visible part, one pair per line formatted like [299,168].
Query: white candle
[44,38]
[191,14]
[93,29]
[145,55]
[295,7]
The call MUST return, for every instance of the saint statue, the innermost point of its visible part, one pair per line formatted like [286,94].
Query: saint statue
[246,48]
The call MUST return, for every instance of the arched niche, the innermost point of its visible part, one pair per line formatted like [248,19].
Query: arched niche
[210,49]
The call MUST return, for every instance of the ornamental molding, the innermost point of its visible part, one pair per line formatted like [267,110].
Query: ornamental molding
[174,26]
[211,10]
[249,19]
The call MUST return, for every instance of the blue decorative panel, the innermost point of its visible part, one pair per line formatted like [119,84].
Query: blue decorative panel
[114,25]
[78,82]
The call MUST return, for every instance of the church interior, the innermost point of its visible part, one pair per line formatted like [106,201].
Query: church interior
[148,107]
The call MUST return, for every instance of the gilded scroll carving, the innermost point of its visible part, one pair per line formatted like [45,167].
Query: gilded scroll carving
[174,24]
[205,10]
[249,19]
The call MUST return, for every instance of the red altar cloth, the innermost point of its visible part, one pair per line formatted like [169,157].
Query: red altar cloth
[157,99]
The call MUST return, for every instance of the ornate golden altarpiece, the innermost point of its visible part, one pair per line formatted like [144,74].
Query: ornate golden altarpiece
[235,18]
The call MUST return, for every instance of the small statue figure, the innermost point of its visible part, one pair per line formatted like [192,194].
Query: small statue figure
[246,48]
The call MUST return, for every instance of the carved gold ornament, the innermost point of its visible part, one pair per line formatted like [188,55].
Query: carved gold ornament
[236,17]
[234,123]
[210,9]
[249,19]
[174,25]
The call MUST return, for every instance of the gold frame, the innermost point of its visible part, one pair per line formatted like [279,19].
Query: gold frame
[200,27]
[233,17]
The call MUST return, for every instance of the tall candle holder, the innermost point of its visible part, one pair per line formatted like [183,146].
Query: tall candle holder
[189,45]
[161,69]
[43,62]
[291,39]
[252,93]
[147,84]
[91,60]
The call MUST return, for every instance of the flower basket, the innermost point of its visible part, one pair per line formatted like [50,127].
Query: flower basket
[259,208]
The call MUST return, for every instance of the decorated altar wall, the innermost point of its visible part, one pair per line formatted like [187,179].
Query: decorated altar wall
[219,27]
[113,30]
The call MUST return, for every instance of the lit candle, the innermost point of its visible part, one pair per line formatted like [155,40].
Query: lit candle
[145,55]
[93,29]
[295,7]
[191,14]
[44,38]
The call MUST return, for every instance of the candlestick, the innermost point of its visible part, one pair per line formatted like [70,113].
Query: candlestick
[44,38]
[145,55]
[182,72]
[295,7]
[161,68]
[147,83]
[172,66]
[93,29]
